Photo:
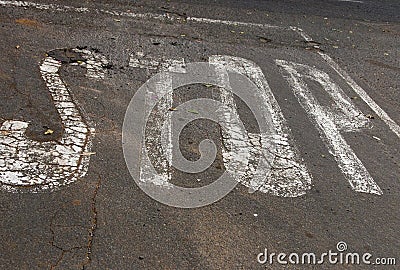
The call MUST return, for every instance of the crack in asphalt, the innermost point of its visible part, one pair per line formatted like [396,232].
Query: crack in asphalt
[52,242]
[91,232]
[93,225]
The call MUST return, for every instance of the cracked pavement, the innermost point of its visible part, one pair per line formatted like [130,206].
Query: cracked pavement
[103,220]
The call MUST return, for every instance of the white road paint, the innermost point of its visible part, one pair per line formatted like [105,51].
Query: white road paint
[55,7]
[351,166]
[162,160]
[94,64]
[361,92]
[27,165]
[234,23]
[353,1]
[161,157]
[346,116]
[356,88]
[289,176]
[364,96]
[237,148]
[140,60]
[154,16]
[377,109]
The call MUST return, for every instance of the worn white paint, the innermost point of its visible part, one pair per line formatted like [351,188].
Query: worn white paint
[237,148]
[55,7]
[364,96]
[356,88]
[94,64]
[351,166]
[29,165]
[233,23]
[361,92]
[288,176]
[162,157]
[140,60]
[162,160]
[154,16]
[346,116]
[377,109]
[352,1]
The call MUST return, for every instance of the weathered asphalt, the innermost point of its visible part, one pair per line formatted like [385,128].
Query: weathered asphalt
[104,221]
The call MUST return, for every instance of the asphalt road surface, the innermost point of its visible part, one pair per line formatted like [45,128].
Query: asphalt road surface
[327,82]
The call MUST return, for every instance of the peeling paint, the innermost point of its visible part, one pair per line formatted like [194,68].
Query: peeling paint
[350,165]
[27,165]
[288,176]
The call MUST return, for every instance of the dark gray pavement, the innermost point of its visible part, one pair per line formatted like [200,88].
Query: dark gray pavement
[105,221]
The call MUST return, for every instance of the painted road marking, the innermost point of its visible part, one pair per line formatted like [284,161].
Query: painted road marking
[154,16]
[361,92]
[139,60]
[352,1]
[30,165]
[356,88]
[162,157]
[328,125]
[288,176]
[379,111]
[204,108]
[237,146]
